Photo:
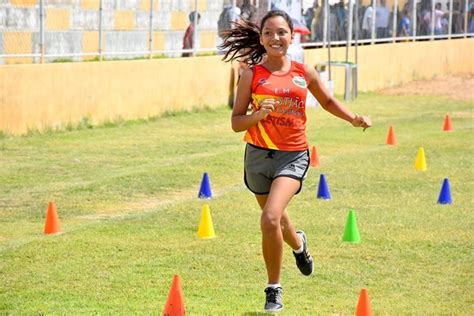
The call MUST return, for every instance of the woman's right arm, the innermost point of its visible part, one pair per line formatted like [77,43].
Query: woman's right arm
[241,121]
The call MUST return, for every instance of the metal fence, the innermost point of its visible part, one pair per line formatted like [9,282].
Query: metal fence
[37,31]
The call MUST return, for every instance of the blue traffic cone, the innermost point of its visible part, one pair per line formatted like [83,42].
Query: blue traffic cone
[323,189]
[205,190]
[445,194]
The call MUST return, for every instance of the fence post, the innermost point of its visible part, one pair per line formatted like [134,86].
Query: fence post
[349,29]
[374,10]
[413,17]
[433,16]
[41,44]
[195,24]
[100,29]
[325,23]
[466,10]
[150,40]
[395,18]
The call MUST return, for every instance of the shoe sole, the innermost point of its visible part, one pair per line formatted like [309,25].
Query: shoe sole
[273,311]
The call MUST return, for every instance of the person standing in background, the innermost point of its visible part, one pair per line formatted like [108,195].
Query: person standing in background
[188,39]
[382,20]
[404,28]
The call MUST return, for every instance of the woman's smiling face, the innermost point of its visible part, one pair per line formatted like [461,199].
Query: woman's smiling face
[276,36]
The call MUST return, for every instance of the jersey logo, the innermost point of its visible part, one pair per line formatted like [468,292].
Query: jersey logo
[262,82]
[299,81]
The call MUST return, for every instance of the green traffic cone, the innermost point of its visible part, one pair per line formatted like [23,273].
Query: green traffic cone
[351,233]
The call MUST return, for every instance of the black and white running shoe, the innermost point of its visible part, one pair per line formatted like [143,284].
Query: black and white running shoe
[304,261]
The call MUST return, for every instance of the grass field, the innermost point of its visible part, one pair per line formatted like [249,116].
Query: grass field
[126,195]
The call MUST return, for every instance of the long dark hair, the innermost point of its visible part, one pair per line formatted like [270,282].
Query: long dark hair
[243,40]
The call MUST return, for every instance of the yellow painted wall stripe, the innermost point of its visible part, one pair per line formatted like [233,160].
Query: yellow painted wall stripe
[179,20]
[17,43]
[58,19]
[159,40]
[145,5]
[90,4]
[90,44]
[202,5]
[24,3]
[207,39]
[124,20]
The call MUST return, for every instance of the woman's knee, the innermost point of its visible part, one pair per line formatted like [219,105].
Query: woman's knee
[270,221]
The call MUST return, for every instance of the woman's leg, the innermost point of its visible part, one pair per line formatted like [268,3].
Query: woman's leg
[276,225]
[288,230]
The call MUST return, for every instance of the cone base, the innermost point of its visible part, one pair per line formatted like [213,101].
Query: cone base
[56,233]
[352,241]
[206,237]
[444,203]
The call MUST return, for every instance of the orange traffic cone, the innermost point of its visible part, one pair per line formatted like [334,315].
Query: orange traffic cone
[52,221]
[363,306]
[175,303]
[448,127]
[314,161]
[391,139]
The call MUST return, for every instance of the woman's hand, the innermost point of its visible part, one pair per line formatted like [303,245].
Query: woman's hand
[361,121]
[266,107]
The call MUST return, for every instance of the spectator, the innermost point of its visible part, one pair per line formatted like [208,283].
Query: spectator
[445,21]
[248,11]
[309,15]
[404,28]
[471,19]
[316,26]
[424,27]
[358,19]
[457,19]
[332,24]
[367,21]
[340,12]
[230,14]
[382,20]
[188,39]
[438,14]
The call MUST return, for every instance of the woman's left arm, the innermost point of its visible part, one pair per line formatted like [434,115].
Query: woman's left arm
[330,103]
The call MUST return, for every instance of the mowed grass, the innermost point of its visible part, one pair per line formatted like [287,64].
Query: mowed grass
[126,195]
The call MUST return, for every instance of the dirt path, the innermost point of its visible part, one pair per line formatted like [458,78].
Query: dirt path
[456,87]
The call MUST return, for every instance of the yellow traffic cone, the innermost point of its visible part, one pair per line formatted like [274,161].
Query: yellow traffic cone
[420,163]
[206,229]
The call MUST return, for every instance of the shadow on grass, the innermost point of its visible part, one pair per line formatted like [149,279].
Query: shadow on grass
[254,313]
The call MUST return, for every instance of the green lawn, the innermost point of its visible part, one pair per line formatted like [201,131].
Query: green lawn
[126,195]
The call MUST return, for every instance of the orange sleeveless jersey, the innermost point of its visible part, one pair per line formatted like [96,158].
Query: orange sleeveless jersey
[285,127]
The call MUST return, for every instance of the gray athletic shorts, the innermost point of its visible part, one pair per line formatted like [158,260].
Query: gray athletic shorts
[262,166]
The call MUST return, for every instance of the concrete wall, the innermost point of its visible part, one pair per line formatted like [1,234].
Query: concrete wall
[52,95]
[37,97]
